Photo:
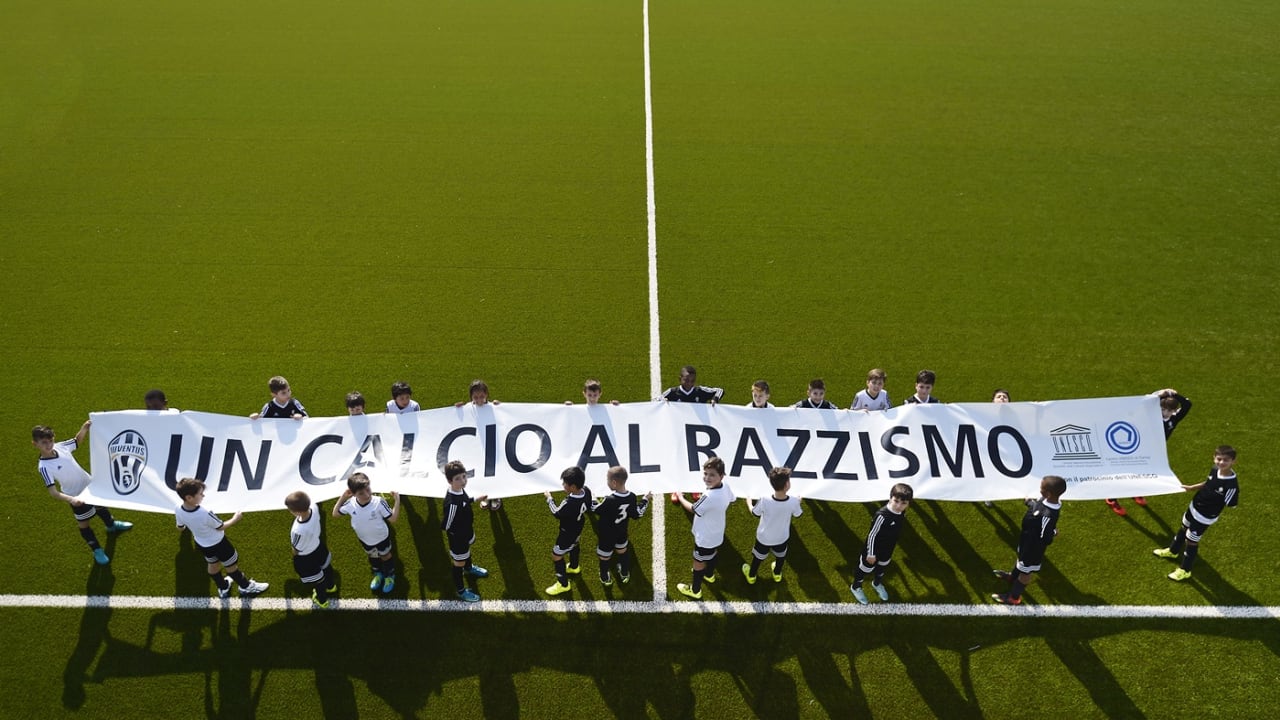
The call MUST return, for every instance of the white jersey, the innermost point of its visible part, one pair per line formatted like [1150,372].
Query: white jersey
[305,535]
[395,409]
[752,404]
[63,469]
[708,516]
[864,401]
[369,521]
[205,527]
[775,519]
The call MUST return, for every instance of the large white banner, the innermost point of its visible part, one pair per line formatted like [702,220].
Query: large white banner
[1107,447]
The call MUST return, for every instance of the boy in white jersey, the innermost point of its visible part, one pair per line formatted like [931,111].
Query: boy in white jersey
[708,526]
[875,397]
[402,401]
[774,530]
[311,558]
[65,479]
[208,531]
[369,518]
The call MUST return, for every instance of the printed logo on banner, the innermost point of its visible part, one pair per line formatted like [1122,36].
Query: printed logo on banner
[127,457]
[1073,442]
[1123,437]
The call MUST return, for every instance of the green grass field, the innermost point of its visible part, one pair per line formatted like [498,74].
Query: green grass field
[1070,198]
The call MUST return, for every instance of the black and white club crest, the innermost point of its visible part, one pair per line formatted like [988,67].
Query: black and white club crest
[127,456]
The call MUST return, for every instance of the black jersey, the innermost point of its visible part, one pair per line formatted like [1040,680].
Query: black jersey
[1216,494]
[572,511]
[459,518]
[288,410]
[699,394]
[616,511]
[913,400]
[824,405]
[1040,524]
[886,528]
[1184,407]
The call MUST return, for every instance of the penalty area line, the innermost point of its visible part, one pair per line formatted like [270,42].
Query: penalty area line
[659,607]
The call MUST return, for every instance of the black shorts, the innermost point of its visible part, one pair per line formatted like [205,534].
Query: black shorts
[705,555]
[565,543]
[460,546]
[1030,558]
[761,551]
[84,512]
[310,567]
[224,552]
[377,551]
[608,544]
[1195,528]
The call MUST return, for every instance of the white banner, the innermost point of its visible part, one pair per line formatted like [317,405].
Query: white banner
[1107,447]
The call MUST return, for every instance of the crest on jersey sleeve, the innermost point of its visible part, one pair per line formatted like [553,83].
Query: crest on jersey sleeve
[127,457]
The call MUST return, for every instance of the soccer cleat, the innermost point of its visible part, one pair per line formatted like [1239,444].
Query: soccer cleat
[468,595]
[687,591]
[1004,575]
[859,593]
[224,592]
[476,571]
[120,526]
[1178,575]
[100,556]
[624,579]
[388,583]
[315,600]
[1162,552]
[1006,600]
[575,570]
[1141,501]
[777,577]
[675,498]
[376,583]
[1116,507]
[606,581]
[882,591]
[253,588]
[495,504]
[711,579]
[557,589]
[746,572]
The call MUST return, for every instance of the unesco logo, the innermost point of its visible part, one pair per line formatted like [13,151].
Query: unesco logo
[127,457]
[1123,437]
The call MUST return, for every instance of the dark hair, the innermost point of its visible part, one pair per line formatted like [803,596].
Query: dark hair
[400,387]
[617,473]
[297,501]
[997,391]
[1053,486]
[591,385]
[714,463]
[761,385]
[277,384]
[155,399]
[355,399]
[688,370]
[42,432]
[817,384]
[779,477]
[902,491]
[477,386]
[357,481]
[926,377]
[875,373]
[454,468]
[1226,450]
[188,487]
[573,477]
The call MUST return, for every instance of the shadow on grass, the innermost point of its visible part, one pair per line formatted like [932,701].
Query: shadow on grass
[434,579]
[93,634]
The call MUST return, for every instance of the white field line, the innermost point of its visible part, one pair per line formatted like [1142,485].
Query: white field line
[656,508]
[622,607]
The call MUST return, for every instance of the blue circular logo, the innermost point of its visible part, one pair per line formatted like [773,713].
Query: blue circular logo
[1123,437]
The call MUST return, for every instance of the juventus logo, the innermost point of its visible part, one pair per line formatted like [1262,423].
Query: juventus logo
[127,456]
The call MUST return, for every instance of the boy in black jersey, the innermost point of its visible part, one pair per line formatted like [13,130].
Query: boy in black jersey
[459,526]
[1215,494]
[1173,410]
[882,538]
[572,514]
[613,515]
[282,403]
[1039,527]
[817,397]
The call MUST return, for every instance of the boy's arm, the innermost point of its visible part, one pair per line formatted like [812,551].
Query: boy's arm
[643,505]
[234,519]
[1197,486]
[84,430]
[59,495]
[337,507]
[684,503]
[551,503]
[301,412]
[395,508]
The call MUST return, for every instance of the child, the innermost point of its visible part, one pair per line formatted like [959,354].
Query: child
[209,533]
[282,403]
[572,513]
[1000,396]
[591,393]
[369,518]
[874,397]
[690,391]
[355,403]
[1173,410]
[708,526]
[478,391]
[65,479]
[1219,491]
[613,516]
[155,400]
[311,558]
[1039,527]
[402,401]
[774,530]
[924,389]
[760,395]
[817,399]
[458,525]
[882,538]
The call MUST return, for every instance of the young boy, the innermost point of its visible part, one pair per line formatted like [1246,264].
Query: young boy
[459,526]
[817,399]
[708,526]
[209,533]
[774,531]
[1218,492]
[1173,410]
[402,401]
[760,395]
[311,558]
[882,538]
[282,403]
[591,393]
[875,397]
[370,518]
[155,400]
[924,389]
[355,403]
[572,513]
[1039,527]
[613,517]
[1000,395]
[478,391]
[65,479]
[690,391]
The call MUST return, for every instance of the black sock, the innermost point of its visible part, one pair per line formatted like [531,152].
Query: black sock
[878,578]
[624,564]
[321,589]
[604,569]
[755,565]
[860,573]
[218,582]
[457,577]
[1189,557]
[1179,540]
[89,537]
[710,570]
[1015,589]
[777,564]
[562,571]
[575,557]
[330,582]
[389,567]
[697,580]
[105,514]
[375,565]
[240,579]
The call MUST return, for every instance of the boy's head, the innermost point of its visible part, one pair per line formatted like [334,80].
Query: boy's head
[479,392]
[280,389]
[616,478]
[1168,406]
[298,502]
[900,496]
[688,377]
[401,393]
[455,473]
[713,472]
[1000,396]
[759,393]
[355,403]
[875,381]
[155,400]
[573,479]
[42,438]
[591,391]
[925,380]
[189,489]
[817,390]
[1052,487]
[780,479]
[1224,456]
[358,484]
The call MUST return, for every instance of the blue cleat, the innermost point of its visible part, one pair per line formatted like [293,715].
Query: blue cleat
[476,571]
[100,556]
[119,526]
[468,595]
